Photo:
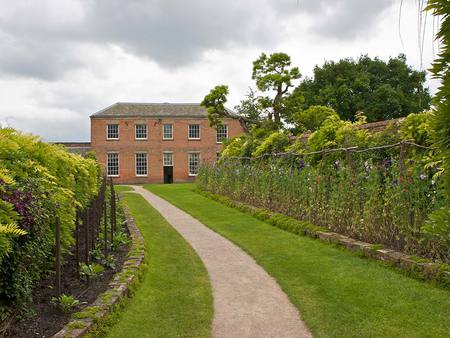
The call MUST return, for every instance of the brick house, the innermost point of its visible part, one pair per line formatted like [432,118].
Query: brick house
[157,142]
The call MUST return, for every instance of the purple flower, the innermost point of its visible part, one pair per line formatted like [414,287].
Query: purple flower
[387,163]
[422,177]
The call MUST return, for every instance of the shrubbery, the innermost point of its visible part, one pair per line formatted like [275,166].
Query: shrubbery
[387,195]
[38,181]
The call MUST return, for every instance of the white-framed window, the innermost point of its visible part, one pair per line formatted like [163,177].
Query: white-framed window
[141,164]
[140,131]
[168,159]
[168,131]
[112,164]
[194,132]
[193,163]
[221,133]
[112,131]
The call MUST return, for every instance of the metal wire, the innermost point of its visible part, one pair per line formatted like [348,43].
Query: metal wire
[354,149]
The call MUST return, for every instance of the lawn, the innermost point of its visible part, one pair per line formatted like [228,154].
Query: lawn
[339,293]
[174,298]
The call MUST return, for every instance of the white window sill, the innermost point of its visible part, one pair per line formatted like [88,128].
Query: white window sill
[112,139]
[168,139]
[141,139]
[193,174]
[113,175]
[141,175]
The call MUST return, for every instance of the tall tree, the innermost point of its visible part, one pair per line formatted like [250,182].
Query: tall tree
[274,78]
[382,90]
[274,73]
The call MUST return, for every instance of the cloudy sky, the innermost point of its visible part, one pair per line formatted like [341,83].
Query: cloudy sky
[62,60]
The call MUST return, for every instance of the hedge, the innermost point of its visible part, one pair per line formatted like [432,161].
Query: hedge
[38,181]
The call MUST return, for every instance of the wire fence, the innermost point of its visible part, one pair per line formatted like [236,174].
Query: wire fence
[380,194]
[353,149]
[88,226]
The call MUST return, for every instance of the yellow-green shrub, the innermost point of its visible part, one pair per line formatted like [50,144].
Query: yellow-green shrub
[43,181]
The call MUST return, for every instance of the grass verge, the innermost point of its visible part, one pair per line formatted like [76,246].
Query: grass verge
[339,293]
[174,298]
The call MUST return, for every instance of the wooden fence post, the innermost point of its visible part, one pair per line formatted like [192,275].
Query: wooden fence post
[77,242]
[105,221]
[86,239]
[92,225]
[112,209]
[58,255]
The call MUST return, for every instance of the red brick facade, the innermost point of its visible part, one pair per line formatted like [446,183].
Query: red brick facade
[154,146]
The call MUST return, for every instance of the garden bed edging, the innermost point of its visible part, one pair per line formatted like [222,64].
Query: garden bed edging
[85,320]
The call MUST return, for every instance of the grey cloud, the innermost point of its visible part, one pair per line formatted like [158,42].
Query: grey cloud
[39,59]
[54,130]
[345,19]
[173,33]
[41,40]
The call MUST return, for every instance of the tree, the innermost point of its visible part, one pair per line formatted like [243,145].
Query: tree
[214,102]
[274,72]
[382,90]
[271,72]
[312,118]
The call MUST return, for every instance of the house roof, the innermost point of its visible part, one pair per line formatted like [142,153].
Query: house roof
[132,109]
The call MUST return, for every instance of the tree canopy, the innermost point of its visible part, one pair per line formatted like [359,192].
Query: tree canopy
[274,72]
[382,90]
[274,78]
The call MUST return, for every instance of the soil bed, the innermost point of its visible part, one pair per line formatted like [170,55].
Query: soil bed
[49,319]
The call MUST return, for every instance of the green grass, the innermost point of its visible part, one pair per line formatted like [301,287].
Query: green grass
[174,298]
[338,293]
[121,188]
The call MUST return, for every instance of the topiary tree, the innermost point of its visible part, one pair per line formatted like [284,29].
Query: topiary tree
[274,72]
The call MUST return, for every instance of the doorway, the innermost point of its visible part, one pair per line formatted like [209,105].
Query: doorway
[168,167]
[168,174]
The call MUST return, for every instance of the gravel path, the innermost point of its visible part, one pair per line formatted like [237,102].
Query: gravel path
[247,301]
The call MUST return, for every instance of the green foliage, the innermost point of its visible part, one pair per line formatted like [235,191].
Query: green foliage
[251,107]
[274,77]
[312,118]
[11,230]
[276,142]
[110,262]
[376,197]
[214,102]
[274,73]
[417,128]
[120,238]
[91,270]
[66,302]
[441,112]
[38,181]
[335,133]
[382,90]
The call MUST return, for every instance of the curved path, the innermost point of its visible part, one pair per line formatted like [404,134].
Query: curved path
[247,301]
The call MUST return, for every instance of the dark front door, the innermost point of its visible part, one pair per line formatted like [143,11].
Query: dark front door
[168,174]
